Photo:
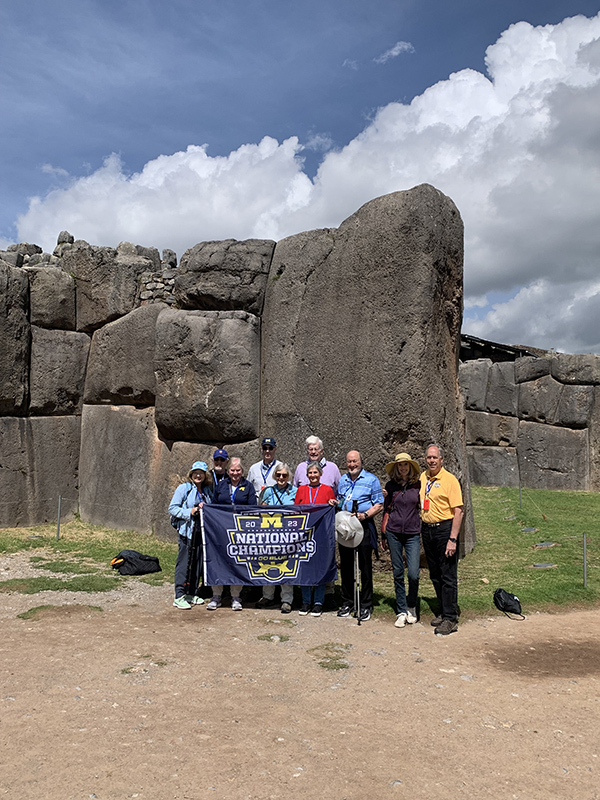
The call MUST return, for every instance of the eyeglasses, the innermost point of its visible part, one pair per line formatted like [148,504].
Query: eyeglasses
[267,447]
[281,475]
[219,460]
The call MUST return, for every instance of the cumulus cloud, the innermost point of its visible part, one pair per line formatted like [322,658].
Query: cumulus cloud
[399,47]
[516,149]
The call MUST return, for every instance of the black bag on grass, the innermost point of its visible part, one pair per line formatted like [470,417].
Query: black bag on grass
[130,562]
[507,603]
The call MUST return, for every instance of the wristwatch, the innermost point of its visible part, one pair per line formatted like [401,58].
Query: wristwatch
[450,539]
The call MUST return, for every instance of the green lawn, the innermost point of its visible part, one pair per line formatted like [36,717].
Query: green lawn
[504,555]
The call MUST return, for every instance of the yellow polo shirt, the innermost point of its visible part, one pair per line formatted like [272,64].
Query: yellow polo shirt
[444,496]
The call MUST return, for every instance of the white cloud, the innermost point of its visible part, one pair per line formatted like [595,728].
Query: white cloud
[517,150]
[48,169]
[349,63]
[393,52]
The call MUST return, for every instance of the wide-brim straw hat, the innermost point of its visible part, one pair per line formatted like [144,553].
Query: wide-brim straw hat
[349,532]
[400,458]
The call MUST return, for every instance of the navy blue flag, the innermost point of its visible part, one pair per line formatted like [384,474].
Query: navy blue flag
[269,545]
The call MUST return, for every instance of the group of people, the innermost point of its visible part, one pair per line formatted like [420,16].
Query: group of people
[416,504]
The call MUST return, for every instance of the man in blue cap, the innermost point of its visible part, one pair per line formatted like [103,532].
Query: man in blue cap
[219,470]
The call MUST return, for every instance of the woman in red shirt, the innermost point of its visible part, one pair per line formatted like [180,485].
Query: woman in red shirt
[315,493]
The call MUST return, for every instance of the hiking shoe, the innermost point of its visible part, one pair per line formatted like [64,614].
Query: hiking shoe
[400,620]
[436,621]
[304,610]
[265,602]
[445,627]
[365,614]
[411,616]
[286,608]
[236,604]
[345,610]
[215,603]
[195,599]
[317,610]
[181,602]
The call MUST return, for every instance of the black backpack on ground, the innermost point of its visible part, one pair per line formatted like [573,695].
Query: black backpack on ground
[130,562]
[507,603]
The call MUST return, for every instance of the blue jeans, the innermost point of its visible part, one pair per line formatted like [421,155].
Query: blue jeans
[319,594]
[411,545]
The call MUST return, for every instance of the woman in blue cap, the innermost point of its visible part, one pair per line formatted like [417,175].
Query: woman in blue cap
[185,508]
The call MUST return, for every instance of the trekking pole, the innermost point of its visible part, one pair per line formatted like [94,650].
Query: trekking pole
[585,561]
[192,558]
[357,584]
[203,546]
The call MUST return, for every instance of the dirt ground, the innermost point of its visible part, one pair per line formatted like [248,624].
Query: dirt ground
[141,700]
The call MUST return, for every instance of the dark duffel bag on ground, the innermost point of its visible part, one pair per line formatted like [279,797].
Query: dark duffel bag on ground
[130,562]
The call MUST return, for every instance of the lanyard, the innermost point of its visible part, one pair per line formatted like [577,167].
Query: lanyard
[232,491]
[310,494]
[265,475]
[350,492]
[198,497]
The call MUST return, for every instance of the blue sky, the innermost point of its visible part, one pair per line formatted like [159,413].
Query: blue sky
[170,123]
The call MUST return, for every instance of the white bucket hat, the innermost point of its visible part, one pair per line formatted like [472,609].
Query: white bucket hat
[349,531]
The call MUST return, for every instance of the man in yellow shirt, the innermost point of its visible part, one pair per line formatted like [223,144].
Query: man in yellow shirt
[441,518]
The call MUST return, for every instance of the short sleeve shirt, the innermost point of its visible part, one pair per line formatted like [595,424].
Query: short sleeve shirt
[444,495]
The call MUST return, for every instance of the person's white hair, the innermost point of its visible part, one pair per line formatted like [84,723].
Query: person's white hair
[236,460]
[314,440]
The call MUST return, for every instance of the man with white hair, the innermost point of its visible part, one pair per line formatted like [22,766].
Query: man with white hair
[314,452]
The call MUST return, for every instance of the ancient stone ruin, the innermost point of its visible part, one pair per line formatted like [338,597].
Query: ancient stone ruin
[534,419]
[119,369]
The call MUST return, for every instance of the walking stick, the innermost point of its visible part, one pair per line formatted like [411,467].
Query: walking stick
[192,557]
[357,584]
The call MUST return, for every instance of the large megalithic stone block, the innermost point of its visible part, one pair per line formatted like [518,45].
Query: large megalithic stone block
[493,466]
[553,458]
[40,457]
[51,298]
[14,340]
[361,331]
[107,281]
[174,463]
[120,450]
[227,275]
[121,363]
[57,376]
[207,366]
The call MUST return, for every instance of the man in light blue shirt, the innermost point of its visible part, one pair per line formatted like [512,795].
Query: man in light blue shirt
[360,493]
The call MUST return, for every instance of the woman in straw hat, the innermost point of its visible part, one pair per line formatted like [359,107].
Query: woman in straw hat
[400,529]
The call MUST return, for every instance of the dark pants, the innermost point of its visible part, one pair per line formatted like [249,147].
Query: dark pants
[181,566]
[442,570]
[365,563]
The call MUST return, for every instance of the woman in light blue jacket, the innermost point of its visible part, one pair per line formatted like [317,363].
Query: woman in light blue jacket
[184,509]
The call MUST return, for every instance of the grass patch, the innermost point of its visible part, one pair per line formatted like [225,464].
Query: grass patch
[39,611]
[331,655]
[69,567]
[273,637]
[504,554]
[87,583]
[83,550]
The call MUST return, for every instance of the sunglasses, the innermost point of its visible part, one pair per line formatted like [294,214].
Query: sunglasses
[267,447]
[281,475]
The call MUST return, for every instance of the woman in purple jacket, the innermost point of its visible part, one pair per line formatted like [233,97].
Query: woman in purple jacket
[400,531]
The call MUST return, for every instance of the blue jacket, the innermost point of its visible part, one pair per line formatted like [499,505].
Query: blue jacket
[244,495]
[273,496]
[180,507]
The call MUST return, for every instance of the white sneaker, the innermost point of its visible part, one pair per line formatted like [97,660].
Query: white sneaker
[236,604]
[411,616]
[214,603]
[400,620]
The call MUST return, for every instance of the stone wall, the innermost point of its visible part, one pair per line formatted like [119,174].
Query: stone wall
[120,367]
[534,418]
